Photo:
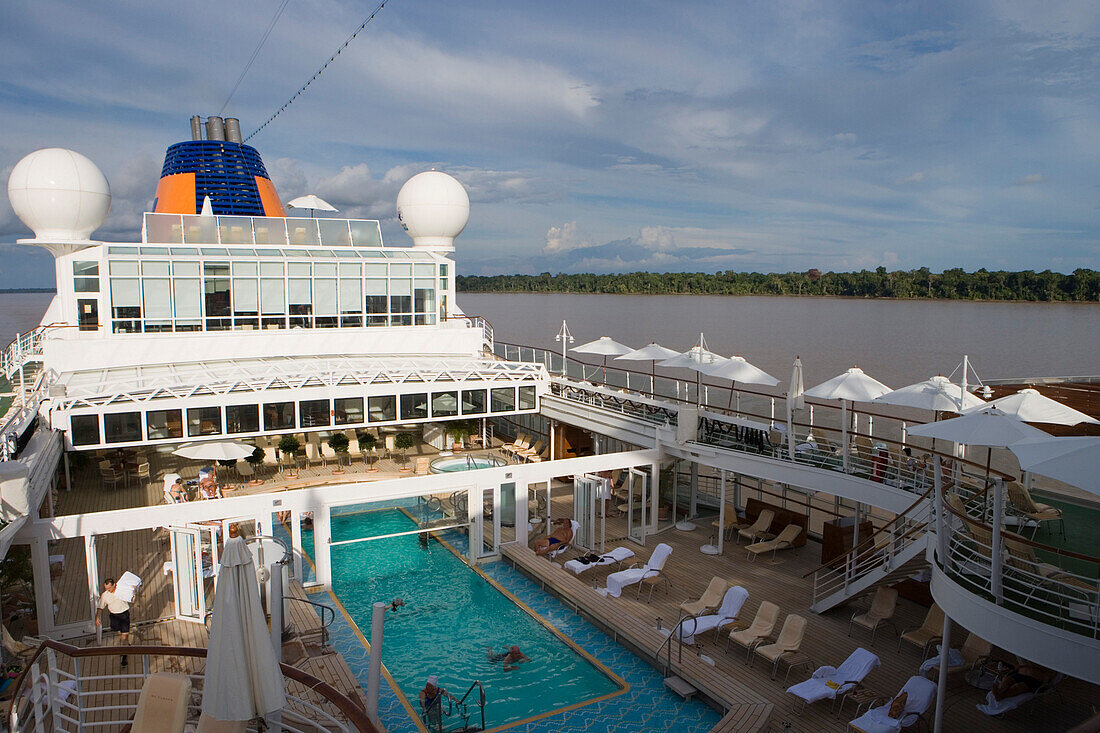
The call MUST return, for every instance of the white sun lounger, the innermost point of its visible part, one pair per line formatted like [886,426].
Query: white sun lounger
[994,707]
[922,693]
[731,606]
[845,677]
[616,556]
[617,581]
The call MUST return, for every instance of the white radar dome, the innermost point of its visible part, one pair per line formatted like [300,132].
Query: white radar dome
[60,194]
[433,208]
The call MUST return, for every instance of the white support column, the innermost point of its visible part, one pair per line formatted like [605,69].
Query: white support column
[476,503]
[694,490]
[322,530]
[998,556]
[553,425]
[721,509]
[941,528]
[654,496]
[92,563]
[68,475]
[296,543]
[374,666]
[941,688]
[43,591]
[522,512]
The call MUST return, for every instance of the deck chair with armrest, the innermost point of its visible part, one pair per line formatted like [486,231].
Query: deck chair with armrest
[998,708]
[975,650]
[162,704]
[920,695]
[1022,501]
[756,632]
[390,444]
[565,546]
[732,522]
[422,466]
[710,600]
[759,528]
[647,574]
[354,449]
[522,442]
[528,453]
[881,612]
[927,634]
[788,642]
[783,541]
[833,683]
[244,470]
[725,615]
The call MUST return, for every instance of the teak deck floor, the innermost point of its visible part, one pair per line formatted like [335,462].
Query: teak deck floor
[826,640]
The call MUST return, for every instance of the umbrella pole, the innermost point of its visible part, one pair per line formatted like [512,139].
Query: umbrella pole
[844,432]
[653,379]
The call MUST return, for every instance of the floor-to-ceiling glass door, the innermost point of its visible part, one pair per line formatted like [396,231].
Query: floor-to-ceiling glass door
[188,588]
[489,522]
[585,491]
[638,502]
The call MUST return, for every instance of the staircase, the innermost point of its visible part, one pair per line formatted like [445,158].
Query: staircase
[891,554]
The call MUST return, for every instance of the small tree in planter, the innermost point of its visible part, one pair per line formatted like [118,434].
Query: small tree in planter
[339,444]
[404,441]
[288,446]
[367,442]
[255,460]
[458,430]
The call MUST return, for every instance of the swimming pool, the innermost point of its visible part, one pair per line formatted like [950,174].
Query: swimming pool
[452,614]
[464,463]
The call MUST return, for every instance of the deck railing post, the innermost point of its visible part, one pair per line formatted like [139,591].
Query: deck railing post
[78,693]
[997,557]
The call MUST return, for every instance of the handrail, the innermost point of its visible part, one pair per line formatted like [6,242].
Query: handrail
[480,702]
[324,626]
[355,714]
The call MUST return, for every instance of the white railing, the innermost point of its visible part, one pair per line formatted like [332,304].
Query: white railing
[23,349]
[259,231]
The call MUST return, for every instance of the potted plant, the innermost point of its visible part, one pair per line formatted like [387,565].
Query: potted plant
[404,441]
[255,460]
[288,446]
[367,442]
[339,444]
[458,430]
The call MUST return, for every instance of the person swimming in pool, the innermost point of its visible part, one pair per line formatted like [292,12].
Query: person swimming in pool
[563,535]
[511,658]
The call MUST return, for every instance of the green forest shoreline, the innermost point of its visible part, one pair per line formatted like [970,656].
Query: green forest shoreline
[1080,286]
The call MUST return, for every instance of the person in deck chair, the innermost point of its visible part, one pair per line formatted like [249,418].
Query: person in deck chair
[563,535]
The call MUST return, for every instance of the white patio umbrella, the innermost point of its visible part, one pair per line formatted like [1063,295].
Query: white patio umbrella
[215,450]
[990,427]
[938,394]
[1031,406]
[795,401]
[242,678]
[1074,460]
[696,358]
[854,385]
[604,346]
[737,369]
[312,202]
[651,353]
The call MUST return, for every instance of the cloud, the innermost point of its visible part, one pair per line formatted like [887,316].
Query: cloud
[1031,179]
[562,238]
[917,177]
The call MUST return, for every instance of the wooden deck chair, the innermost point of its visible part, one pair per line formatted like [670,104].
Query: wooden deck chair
[354,449]
[1022,501]
[244,470]
[759,528]
[788,642]
[111,477]
[17,648]
[881,612]
[521,439]
[710,600]
[974,651]
[783,541]
[143,472]
[529,453]
[422,465]
[756,632]
[927,634]
[162,704]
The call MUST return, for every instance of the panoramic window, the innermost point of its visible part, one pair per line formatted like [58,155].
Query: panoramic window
[382,408]
[122,427]
[473,401]
[414,406]
[527,399]
[86,277]
[162,424]
[503,399]
[444,404]
[313,413]
[279,416]
[204,421]
[349,410]
[84,429]
[242,419]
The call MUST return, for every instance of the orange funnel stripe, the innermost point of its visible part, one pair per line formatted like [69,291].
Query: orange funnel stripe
[268,197]
[176,194]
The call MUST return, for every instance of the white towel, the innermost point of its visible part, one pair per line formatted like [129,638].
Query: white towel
[609,558]
[857,666]
[993,706]
[127,586]
[954,659]
[617,581]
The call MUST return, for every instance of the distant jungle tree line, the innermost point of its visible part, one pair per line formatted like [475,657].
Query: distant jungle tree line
[1082,285]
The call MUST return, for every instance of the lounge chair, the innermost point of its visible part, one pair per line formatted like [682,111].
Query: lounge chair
[210,725]
[927,633]
[710,600]
[565,546]
[833,683]
[996,708]
[522,442]
[422,465]
[881,612]
[529,453]
[758,631]
[244,470]
[975,650]
[1022,502]
[759,528]
[920,695]
[726,614]
[614,557]
[783,541]
[788,642]
[650,574]
[162,704]
[732,522]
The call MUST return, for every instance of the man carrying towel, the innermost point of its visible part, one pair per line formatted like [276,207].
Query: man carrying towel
[118,612]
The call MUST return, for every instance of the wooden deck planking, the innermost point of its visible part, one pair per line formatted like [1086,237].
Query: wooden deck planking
[826,640]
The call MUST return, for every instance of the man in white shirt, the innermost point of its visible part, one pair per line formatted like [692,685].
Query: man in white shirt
[118,611]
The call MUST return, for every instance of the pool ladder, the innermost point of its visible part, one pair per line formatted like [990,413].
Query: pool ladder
[462,708]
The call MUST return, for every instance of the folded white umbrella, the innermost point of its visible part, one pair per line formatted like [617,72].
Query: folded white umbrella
[1074,460]
[243,680]
[989,427]
[795,401]
[938,394]
[215,450]
[1031,406]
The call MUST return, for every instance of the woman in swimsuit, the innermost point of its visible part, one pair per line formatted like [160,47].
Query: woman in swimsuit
[431,701]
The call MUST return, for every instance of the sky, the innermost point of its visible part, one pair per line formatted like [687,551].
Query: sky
[767,136]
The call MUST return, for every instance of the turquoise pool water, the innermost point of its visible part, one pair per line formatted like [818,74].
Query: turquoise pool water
[452,614]
[464,463]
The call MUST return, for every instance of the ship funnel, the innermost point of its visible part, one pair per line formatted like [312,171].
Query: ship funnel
[233,130]
[215,129]
[196,128]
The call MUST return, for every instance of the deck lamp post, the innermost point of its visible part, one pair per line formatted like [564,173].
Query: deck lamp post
[565,338]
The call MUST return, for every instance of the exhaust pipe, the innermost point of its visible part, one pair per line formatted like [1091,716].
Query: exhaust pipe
[215,128]
[233,130]
[196,128]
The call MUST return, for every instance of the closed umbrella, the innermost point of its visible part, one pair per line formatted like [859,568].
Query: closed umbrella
[1074,460]
[737,369]
[697,358]
[242,679]
[854,385]
[604,346]
[651,353]
[312,202]
[1031,406]
[795,401]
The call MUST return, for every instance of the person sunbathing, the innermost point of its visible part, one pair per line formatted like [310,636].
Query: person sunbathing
[563,535]
[511,658]
[1026,677]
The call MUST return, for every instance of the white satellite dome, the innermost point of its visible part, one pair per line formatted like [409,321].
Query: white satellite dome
[60,194]
[433,208]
